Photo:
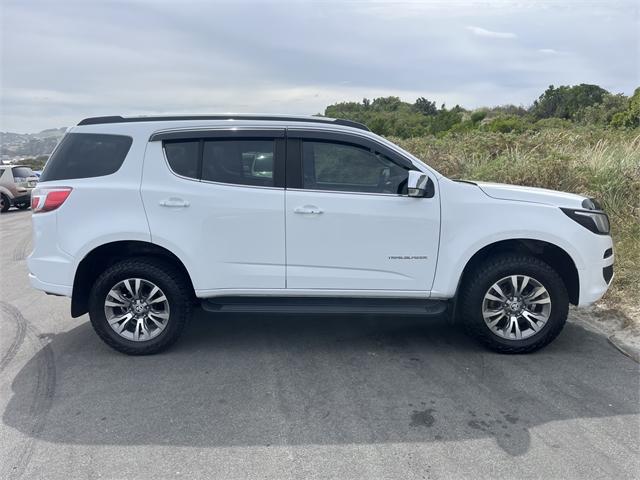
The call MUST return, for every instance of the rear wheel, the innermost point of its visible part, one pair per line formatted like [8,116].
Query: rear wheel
[5,203]
[514,303]
[140,306]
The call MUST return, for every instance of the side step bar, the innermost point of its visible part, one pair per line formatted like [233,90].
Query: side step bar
[325,305]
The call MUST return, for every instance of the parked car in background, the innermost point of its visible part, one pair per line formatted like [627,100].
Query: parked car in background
[16,184]
[138,218]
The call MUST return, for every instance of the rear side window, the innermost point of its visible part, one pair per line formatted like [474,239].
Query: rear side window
[85,155]
[20,174]
[242,162]
[183,157]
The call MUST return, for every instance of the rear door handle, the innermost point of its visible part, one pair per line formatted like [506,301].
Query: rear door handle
[308,210]
[174,202]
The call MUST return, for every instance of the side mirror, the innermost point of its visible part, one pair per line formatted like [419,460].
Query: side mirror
[419,185]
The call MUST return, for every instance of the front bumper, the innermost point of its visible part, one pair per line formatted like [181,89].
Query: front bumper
[597,277]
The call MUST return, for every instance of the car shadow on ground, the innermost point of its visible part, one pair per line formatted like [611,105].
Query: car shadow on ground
[236,380]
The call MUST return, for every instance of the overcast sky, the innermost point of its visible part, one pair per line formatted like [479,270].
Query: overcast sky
[66,60]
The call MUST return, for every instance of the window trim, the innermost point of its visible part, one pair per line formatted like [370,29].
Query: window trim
[278,137]
[295,164]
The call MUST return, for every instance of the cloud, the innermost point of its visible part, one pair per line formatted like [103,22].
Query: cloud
[483,32]
[63,61]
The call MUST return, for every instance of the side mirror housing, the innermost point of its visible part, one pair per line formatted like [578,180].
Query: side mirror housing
[419,185]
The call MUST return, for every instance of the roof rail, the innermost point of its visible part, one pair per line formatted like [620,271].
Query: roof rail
[284,118]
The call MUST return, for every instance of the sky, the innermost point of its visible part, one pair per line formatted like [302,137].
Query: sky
[63,60]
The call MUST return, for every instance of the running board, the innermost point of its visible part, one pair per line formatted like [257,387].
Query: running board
[325,305]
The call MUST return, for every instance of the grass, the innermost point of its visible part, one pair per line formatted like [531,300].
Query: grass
[596,162]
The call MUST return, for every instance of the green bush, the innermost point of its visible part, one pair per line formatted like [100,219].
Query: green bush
[507,125]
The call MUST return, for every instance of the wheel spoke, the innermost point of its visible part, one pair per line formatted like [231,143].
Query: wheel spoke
[536,293]
[514,284]
[539,301]
[516,327]
[499,291]
[525,282]
[531,319]
[153,291]
[137,287]
[162,315]
[127,284]
[121,302]
[161,298]
[126,317]
[496,320]
[144,329]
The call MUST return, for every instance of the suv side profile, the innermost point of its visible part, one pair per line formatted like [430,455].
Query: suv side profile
[138,219]
[16,184]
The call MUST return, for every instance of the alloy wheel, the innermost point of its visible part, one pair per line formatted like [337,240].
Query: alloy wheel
[516,307]
[136,309]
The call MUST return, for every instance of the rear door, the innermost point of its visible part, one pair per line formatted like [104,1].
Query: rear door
[350,224]
[216,199]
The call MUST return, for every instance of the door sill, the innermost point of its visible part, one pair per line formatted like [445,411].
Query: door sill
[326,305]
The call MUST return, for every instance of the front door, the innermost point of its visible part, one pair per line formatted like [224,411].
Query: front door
[350,224]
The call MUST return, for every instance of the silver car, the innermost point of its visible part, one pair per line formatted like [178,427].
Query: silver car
[16,183]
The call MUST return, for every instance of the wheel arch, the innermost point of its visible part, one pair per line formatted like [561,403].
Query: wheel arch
[552,254]
[95,262]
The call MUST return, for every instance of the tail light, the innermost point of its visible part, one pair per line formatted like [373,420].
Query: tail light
[47,199]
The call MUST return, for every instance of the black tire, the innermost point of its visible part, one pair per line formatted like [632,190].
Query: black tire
[170,280]
[5,203]
[490,271]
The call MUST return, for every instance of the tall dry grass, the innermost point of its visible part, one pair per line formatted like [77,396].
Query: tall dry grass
[599,163]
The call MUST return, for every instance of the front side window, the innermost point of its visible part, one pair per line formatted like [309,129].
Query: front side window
[350,168]
[241,162]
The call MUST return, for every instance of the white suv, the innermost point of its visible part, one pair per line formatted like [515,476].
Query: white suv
[138,219]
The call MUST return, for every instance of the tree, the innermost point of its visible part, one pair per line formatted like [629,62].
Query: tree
[630,118]
[425,106]
[566,101]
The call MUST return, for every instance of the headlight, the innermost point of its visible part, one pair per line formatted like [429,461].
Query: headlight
[596,221]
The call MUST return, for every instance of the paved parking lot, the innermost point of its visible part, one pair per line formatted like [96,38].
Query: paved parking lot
[255,396]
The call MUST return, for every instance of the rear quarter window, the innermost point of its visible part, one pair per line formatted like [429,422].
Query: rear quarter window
[85,155]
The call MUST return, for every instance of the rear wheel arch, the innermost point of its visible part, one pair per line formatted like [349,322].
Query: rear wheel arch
[553,255]
[101,257]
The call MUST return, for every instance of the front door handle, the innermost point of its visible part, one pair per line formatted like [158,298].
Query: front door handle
[174,202]
[308,210]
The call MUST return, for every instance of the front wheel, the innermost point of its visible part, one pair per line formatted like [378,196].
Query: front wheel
[140,306]
[5,203]
[514,303]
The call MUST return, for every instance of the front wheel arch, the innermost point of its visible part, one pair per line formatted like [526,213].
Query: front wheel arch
[551,254]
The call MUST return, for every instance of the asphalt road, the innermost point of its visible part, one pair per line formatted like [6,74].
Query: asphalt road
[255,396]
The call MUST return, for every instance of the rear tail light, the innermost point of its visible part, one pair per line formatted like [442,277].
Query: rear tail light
[47,199]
